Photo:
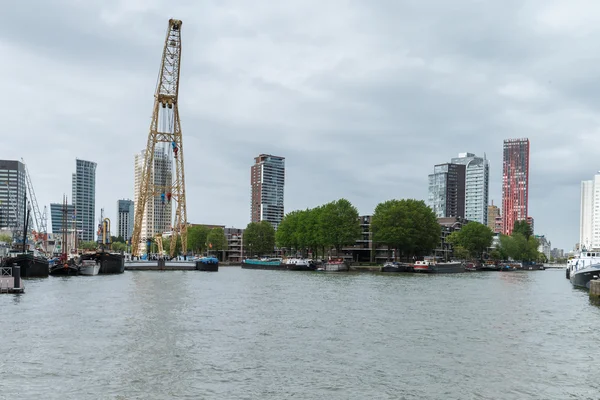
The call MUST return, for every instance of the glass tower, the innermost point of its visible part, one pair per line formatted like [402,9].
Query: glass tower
[267,180]
[84,198]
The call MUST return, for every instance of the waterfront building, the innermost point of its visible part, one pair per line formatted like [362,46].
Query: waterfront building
[363,249]
[557,253]
[498,228]
[530,222]
[56,217]
[84,198]
[445,250]
[125,219]
[235,244]
[545,245]
[12,195]
[589,223]
[446,195]
[157,217]
[493,213]
[586,214]
[477,184]
[515,182]
[267,180]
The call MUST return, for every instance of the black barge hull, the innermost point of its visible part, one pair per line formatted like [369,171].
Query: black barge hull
[583,277]
[31,267]
[264,266]
[61,270]
[208,267]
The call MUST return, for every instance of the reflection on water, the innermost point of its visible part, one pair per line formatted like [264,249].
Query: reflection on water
[246,334]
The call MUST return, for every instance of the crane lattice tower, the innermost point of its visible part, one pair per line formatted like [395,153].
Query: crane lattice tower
[165,128]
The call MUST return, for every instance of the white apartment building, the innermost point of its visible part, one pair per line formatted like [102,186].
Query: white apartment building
[477,184]
[589,225]
[157,217]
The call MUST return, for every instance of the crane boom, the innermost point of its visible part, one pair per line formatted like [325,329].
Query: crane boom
[164,127]
[38,217]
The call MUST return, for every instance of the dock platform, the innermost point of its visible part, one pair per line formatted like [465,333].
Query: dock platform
[160,265]
[10,280]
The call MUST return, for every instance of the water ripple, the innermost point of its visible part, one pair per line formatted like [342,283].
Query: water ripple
[242,334]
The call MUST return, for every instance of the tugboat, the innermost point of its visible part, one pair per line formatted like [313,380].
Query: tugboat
[209,264]
[300,264]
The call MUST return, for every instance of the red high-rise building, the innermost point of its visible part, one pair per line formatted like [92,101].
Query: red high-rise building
[515,183]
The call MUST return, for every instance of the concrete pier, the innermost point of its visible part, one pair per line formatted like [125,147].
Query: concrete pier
[595,289]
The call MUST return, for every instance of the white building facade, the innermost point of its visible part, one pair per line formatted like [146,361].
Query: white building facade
[477,186]
[157,217]
[589,224]
[125,212]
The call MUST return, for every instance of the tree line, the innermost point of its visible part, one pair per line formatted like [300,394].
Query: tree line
[475,240]
[407,226]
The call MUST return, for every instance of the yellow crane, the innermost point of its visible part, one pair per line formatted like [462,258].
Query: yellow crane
[164,128]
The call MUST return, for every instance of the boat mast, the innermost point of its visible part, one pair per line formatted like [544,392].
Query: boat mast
[25,220]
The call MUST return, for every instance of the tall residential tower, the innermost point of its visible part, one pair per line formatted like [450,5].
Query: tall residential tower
[84,198]
[446,194]
[12,194]
[125,212]
[589,225]
[515,183]
[267,180]
[477,186]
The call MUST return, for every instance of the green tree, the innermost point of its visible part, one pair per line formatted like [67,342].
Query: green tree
[118,246]
[216,239]
[196,238]
[474,237]
[407,225]
[519,248]
[5,238]
[287,231]
[117,239]
[339,224]
[523,228]
[461,253]
[495,255]
[259,238]
[88,245]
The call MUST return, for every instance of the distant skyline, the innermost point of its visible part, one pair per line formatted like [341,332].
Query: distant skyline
[361,98]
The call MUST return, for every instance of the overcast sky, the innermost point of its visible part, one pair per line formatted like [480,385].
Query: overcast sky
[362,98]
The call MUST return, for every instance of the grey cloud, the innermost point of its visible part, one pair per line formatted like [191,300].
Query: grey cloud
[361,98]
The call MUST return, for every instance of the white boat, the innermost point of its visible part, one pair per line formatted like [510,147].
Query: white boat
[300,264]
[583,268]
[89,267]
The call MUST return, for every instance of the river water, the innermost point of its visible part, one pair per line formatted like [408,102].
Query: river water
[248,334]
